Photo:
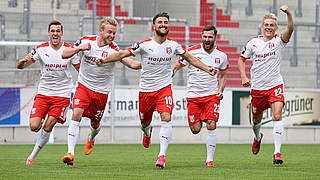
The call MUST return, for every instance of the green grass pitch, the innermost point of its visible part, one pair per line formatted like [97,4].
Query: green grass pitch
[184,161]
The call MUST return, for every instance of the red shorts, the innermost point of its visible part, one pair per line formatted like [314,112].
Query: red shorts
[93,103]
[262,99]
[203,108]
[160,101]
[52,105]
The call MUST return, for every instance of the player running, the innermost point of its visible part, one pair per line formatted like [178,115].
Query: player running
[203,91]
[267,83]
[156,79]
[94,83]
[54,90]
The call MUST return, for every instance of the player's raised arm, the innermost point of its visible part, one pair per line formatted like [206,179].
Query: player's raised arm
[286,34]
[69,52]
[24,62]
[113,57]
[197,63]
[131,63]
[246,82]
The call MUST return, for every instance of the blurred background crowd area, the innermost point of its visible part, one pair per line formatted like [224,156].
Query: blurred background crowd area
[237,21]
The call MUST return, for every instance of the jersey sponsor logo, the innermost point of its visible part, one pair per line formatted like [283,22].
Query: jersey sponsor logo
[104,54]
[76,101]
[33,111]
[135,46]
[169,50]
[159,59]
[265,55]
[90,60]
[191,118]
[217,60]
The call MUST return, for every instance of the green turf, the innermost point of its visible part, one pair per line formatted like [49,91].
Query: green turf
[183,162]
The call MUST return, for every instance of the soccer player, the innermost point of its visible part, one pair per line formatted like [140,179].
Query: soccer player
[203,91]
[156,79]
[267,83]
[54,90]
[94,83]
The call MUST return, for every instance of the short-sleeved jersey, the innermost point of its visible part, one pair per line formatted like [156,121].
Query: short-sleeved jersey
[96,78]
[266,57]
[156,71]
[56,79]
[200,83]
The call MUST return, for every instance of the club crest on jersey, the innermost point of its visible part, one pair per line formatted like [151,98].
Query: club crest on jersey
[169,50]
[271,45]
[104,54]
[76,101]
[217,60]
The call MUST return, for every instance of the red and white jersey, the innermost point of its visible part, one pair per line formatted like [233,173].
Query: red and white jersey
[200,83]
[266,57]
[97,78]
[156,71]
[56,79]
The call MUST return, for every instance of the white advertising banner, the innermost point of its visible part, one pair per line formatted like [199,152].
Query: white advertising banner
[301,108]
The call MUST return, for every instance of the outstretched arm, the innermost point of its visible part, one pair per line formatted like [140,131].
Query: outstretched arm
[222,84]
[246,82]
[131,63]
[24,62]
[113,57]
[286,34]
[197,63]
[69,52]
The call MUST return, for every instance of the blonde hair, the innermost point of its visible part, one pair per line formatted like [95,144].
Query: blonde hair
[269,16]
[106,21]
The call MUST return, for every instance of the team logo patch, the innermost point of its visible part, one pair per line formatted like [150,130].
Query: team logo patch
[217,60]
[135,46]
[191,118]
[76,101]
[243,50]
[271,45]
[254,109]
[141,116]
[104,54]
[33,111]
[169,50]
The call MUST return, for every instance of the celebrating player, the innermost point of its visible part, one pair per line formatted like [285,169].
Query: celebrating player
[267,83]
[156,79]
[203,91]
[94,83]
[54,90]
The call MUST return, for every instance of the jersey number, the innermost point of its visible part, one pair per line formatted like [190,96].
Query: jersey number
[278,92]
[168,100]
